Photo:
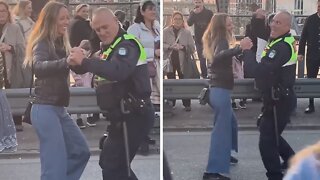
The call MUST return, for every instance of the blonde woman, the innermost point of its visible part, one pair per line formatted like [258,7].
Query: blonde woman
[64,152]
[176,41]
[305,164]
[219,48]
[22,12]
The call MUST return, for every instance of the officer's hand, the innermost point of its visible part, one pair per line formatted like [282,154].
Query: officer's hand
[246,43]
[76,56]
[300,57]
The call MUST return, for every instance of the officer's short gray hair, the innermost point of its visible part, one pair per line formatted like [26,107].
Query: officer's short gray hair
[102,9]
[288,15]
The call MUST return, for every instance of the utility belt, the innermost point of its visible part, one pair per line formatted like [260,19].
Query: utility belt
[112,96]
[131,104]
[279,92]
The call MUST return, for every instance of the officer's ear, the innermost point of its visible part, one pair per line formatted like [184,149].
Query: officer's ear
[115,19]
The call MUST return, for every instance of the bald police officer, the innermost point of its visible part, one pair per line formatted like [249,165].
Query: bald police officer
[123,90]
[275,77]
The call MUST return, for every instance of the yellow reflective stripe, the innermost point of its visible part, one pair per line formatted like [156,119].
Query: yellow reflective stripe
[142,58]
[289,40]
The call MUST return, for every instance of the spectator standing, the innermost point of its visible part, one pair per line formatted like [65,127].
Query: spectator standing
[310,36]
[237,67]
[80,28]
[22,12]
[176,41]
[64,151]
[219,48]
[8,138]
[12,49]
[84,80]
[200,18]
[147,29]
[121,15]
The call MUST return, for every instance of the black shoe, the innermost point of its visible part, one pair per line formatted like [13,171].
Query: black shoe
[214,176]
[242,105]
[102,139]
[234,106]
[309,110]
[91,122]
[80,123]
[233,160]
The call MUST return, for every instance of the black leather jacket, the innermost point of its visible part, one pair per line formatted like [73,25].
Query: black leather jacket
[52,73]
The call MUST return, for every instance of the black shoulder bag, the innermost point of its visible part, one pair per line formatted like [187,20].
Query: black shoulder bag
[27,113]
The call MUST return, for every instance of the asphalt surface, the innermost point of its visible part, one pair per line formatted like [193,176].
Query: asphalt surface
[200,118]
[145,168]
[187,153]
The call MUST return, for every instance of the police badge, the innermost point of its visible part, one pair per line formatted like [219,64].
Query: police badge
[272,54]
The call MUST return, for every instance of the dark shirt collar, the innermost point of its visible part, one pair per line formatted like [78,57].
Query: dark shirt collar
[282,36]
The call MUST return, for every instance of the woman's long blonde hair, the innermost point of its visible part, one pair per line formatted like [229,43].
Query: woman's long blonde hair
[216,31]
[18,10]
[46,28]
[304,153]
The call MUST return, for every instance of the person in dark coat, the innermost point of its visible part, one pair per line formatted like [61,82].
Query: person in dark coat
[80,28]
[311,36]
[200,17]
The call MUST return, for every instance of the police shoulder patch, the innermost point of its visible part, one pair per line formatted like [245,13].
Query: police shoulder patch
[122,51]
[272,54]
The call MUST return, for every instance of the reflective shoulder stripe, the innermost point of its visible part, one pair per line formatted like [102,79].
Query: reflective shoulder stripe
[143,54]
[294,56]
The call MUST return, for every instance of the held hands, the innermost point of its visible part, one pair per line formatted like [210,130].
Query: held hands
[4,47]
[176,46]
[300,57]
[76,56]
[246,43]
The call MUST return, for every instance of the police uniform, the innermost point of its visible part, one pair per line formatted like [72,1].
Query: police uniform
[275,77]
[123,64]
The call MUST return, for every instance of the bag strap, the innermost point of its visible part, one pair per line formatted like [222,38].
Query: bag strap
[31,83]
[175,42]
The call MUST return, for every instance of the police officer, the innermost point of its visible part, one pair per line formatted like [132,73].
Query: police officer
[275,77]
[122,76]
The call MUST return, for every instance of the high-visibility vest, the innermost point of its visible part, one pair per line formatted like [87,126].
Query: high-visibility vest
[291,42]
[105,54]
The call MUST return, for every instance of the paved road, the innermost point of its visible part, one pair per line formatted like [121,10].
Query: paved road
[145,167]
[200,117]
[187,153]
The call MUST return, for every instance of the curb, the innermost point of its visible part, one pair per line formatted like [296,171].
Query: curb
[240,128]
[28,154]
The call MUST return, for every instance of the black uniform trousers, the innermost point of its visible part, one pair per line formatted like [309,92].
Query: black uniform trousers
[312,64]
[269,150]
[112,157]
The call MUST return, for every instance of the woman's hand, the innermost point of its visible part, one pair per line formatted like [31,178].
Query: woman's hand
[246,43]
[4,47]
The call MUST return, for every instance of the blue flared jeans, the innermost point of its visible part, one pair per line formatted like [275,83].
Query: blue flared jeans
[224,136]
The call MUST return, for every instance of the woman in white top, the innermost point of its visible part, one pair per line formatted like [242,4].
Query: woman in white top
[147,30]
[22,12]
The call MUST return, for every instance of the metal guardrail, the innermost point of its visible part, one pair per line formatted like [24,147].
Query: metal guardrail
[82,100]
[244,88]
